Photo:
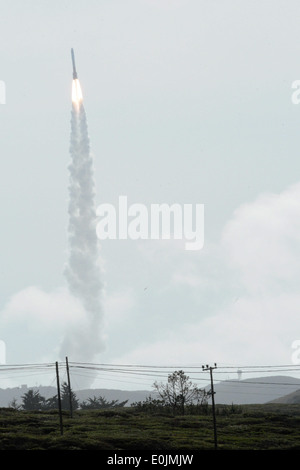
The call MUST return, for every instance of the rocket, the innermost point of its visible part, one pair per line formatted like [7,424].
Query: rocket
[73,62]
[76,88]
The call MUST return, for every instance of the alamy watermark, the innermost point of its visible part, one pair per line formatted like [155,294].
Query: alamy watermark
[160,221]
[2,352]
[2,92]
[296,354]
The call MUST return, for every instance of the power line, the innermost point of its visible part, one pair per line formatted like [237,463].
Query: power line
[147,371]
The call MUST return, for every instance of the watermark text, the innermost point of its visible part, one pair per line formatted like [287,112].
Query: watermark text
[2,92]
[296,353]
[160,221]
[2,352]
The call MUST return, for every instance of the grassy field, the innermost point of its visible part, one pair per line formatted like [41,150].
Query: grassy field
[251,427]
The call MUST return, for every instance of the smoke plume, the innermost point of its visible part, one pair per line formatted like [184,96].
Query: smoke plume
[83,273]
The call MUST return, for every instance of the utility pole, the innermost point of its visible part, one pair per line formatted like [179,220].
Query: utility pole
[210,368]
[59,400]
[69,388]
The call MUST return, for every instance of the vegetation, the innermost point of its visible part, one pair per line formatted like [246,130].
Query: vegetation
[178,395]
[179,392]
[101,403]
[259,427]
[179,420]
[33,401]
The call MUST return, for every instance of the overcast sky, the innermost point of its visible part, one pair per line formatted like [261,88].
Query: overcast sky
[188,101]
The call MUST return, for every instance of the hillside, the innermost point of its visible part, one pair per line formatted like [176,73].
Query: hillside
[257,390]
[291,398]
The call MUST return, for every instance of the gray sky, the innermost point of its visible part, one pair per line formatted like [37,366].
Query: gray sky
[188,101]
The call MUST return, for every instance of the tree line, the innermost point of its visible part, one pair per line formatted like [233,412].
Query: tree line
[177,396]
[34,401]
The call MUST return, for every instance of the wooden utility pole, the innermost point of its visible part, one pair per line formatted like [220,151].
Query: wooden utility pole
[207,367]
[59,400]
[69,388]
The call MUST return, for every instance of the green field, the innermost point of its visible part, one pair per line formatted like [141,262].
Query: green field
[259,427]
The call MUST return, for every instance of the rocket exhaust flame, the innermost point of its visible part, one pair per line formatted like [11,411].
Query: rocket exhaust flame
[76,92]
[83,272]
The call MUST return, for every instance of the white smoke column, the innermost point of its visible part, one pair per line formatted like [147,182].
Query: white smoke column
[83,341]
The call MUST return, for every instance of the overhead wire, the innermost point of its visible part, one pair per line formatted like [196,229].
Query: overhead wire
[135,373]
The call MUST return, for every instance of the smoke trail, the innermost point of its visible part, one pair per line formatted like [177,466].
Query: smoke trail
[83,272]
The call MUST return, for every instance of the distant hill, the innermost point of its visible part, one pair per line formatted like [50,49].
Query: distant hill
[8,394]
[256,390]
[291,398]
[277,389]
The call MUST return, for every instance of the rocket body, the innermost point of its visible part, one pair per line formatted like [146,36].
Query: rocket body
[74,67]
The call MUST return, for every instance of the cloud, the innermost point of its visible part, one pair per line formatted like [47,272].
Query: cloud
[42,309]
[261,241]
[34,322]
[255,270]
[248,332]
[36,325]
